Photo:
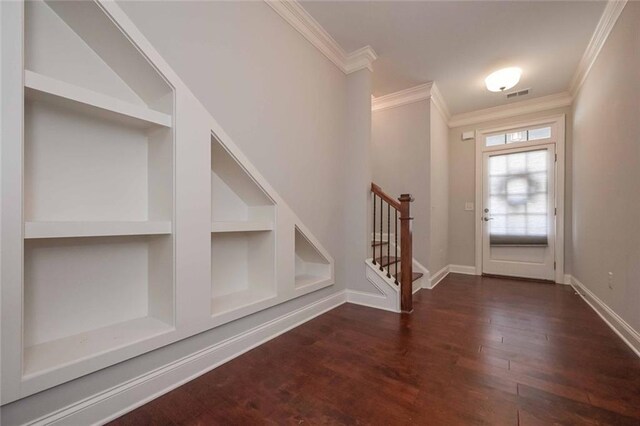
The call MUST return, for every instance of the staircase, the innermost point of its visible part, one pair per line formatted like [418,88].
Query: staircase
[391,266]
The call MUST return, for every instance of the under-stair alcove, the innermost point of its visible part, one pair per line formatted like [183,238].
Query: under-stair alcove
[242,236]
[310,265]
[98,195]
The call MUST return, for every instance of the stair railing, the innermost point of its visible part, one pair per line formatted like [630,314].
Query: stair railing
[401,213]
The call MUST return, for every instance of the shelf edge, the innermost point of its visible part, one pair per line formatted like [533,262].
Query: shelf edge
[42,85]
[36,230]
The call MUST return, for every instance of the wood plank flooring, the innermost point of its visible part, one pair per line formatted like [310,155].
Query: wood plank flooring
[474,351]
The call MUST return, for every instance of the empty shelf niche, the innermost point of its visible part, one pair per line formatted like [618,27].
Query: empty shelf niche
[310,265]
[242,269]
[98,141]
[87,296]
[238,203]
[242,235]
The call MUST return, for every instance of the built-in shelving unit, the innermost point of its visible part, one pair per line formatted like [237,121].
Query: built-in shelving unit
[94,176]
[98,191]
[311,266]
[242,235]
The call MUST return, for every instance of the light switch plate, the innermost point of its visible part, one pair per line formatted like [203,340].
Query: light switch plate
[468,206]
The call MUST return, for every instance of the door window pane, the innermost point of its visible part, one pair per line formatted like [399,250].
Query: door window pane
[518,192]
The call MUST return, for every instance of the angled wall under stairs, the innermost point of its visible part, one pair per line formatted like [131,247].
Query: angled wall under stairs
[138,222]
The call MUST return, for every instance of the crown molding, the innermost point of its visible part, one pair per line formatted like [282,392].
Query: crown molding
[402,97]
[421,92]
[360,59]
[609,17]
[529,106]
[439,102]
[292,12]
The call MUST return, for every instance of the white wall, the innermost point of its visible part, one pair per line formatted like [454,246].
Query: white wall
[462,186]
[439,181]
[285,105]
[357,184]
[280,100]
[401,163]
[410,151]
[606,172]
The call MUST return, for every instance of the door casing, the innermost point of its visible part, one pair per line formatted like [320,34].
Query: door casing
[557,123]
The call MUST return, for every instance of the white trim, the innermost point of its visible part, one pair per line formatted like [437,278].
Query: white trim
[559,140]
[418,93]
[422,281]
[567,279]
[360,59]
[369,300]
[462,269]
[129,395]
[607,21]
[402,97]
[438,276]
[439,102]
[514,109]
[292,12]
[627,333]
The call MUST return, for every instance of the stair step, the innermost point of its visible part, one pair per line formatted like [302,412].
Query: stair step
[378,243]
[414,276]
[385,261]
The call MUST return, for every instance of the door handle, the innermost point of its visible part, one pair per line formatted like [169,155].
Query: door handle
[487,219]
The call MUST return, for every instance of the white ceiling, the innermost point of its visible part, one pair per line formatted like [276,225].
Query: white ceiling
[458,43]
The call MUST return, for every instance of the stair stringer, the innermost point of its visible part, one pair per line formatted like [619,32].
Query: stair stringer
[387,293]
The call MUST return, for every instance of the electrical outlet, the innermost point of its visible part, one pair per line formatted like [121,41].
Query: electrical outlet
[610,283]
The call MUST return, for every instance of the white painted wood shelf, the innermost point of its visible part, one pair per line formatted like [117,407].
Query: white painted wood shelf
[309,279]
[241,226]
[239,299]
[38,86]
[54,354]
[33,230]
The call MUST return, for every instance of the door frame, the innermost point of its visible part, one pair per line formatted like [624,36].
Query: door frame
[557,123]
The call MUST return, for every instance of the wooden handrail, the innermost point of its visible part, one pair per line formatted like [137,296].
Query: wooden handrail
[386,197]
[402,207]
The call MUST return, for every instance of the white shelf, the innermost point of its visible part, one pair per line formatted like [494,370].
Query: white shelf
[242,226]
[57,353]
[94,229]
[303,280]
[38,86]
[239,299]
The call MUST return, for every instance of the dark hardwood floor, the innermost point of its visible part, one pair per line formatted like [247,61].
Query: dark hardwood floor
[474,351]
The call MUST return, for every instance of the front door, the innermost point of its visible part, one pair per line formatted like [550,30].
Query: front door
[518,220]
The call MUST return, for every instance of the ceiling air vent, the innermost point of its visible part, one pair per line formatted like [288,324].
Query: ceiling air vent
[518,93]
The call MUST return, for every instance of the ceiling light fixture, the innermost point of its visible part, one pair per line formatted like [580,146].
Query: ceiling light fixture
[503,79]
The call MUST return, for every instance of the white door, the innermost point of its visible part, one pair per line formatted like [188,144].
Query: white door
[518,212]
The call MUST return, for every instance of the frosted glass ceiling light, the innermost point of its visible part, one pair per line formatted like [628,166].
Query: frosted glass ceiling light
[503,79]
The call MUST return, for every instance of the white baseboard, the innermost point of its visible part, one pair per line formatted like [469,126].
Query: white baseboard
[112,403]
[438,276]
[422,282]
[627,333]
[462,269]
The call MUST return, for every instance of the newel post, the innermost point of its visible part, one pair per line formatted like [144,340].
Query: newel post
[406,254]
